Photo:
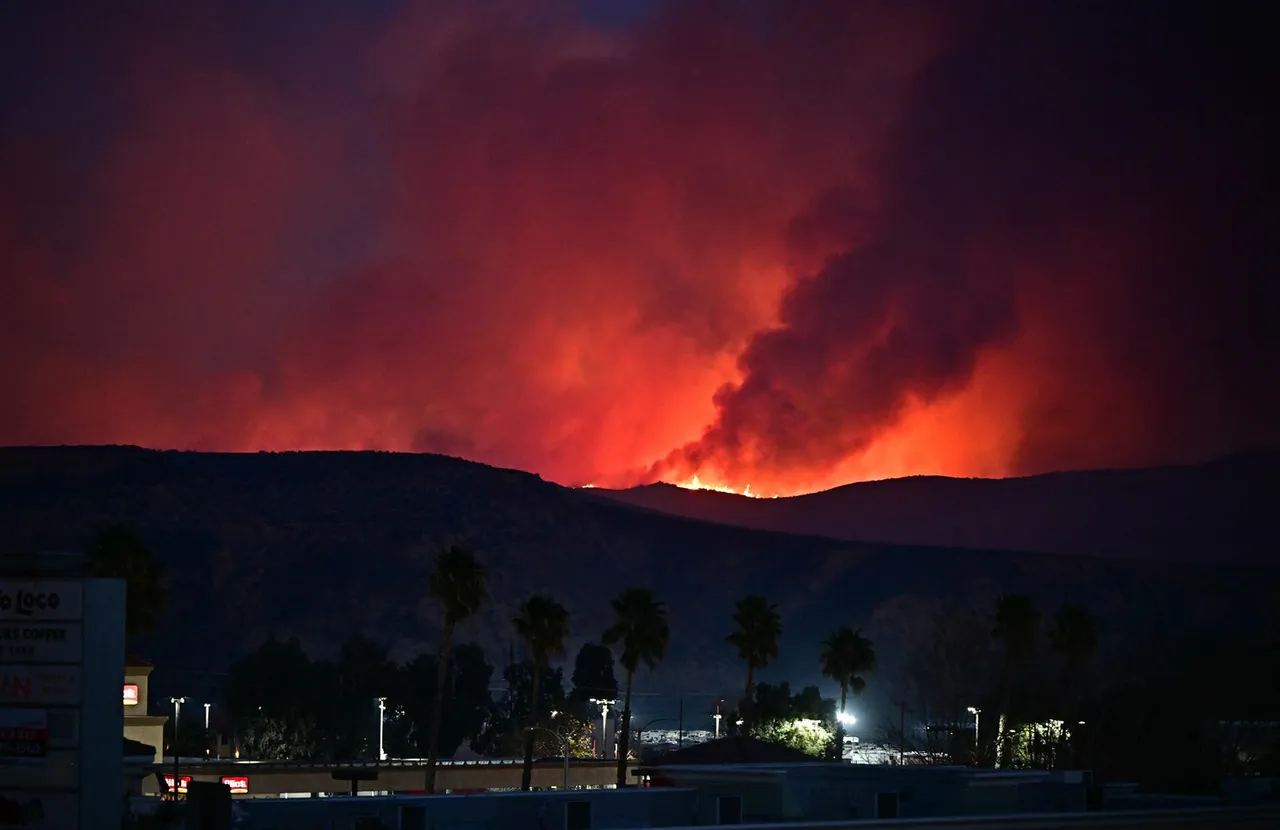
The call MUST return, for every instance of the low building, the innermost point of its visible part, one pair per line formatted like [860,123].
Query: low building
[140,726]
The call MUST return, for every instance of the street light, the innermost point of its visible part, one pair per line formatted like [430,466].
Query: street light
[177,711]
[976,712]
[846,719]
[206,716]
[604,705]
[382,720]
[564,739]
[717,716]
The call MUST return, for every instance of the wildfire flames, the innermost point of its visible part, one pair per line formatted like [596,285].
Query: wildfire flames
[694,483]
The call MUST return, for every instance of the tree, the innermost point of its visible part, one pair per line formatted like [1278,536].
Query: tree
[757,629]
[543,624]
[566,725]
[846,656]
[361,675]
[1017,628]
[1074,638]
[459,584]
[117,552]
[273,697]
[503,735]
[592,678]
[640,627]
[412,700]
[806,735]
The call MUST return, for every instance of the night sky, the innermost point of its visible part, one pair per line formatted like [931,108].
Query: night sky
[780,244]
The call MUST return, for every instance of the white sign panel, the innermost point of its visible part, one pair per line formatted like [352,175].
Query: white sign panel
[50,685]
[47,642]
[40,811]
[41,600]
[58,770]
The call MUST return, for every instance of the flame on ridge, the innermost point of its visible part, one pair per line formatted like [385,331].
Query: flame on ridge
[694,483]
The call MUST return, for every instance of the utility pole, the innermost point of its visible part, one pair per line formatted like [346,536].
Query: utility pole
[604,723]
[902,732]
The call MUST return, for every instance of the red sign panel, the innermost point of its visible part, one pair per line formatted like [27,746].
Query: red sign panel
[24,733]
[130,694]
[236,783]
[183,782]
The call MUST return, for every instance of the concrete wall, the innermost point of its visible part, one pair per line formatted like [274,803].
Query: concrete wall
[610,810]
[663,807]
[265,780]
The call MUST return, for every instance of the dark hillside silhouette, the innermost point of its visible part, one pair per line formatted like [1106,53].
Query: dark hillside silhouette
[1218,511]
[330,545]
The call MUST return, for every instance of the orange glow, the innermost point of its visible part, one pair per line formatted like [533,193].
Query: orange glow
[764,260]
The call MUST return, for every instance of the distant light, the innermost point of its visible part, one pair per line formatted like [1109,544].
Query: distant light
[846,718]
[974,710]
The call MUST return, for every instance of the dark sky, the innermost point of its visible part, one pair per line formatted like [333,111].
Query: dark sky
[778,244]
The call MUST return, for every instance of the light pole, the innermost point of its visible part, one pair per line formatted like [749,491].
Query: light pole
[976,712]
[604,723]
[564,739]
[382,721]
[206,716]
[717,716]
[177,711]
[845,719]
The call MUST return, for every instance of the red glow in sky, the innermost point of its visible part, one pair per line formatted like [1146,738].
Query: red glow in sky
[783,249]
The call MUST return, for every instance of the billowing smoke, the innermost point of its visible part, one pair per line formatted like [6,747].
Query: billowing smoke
[801,243]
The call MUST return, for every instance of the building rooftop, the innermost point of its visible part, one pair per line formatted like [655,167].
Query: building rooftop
[734,750]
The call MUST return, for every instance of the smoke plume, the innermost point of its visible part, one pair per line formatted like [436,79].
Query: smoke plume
[774,244]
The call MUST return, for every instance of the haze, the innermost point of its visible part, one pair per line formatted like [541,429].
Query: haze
[778,244]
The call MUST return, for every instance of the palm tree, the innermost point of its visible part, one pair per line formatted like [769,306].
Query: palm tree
[1074,637]
[640,626]
[459,583]
[1017,628]
[117,552]
[543,624]
[757,628]
[845,657]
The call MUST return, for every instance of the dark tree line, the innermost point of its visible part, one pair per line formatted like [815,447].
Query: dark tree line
[1033,682]
[1043,701]
[284,705]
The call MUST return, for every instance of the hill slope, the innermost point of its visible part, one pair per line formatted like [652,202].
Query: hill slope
[1219,511]
[326,545]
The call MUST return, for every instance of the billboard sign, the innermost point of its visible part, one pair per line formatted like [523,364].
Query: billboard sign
[131,694]
[238,784]
[183,782]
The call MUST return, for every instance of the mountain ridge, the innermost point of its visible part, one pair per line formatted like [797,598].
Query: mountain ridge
[1169,511]
[328,545]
